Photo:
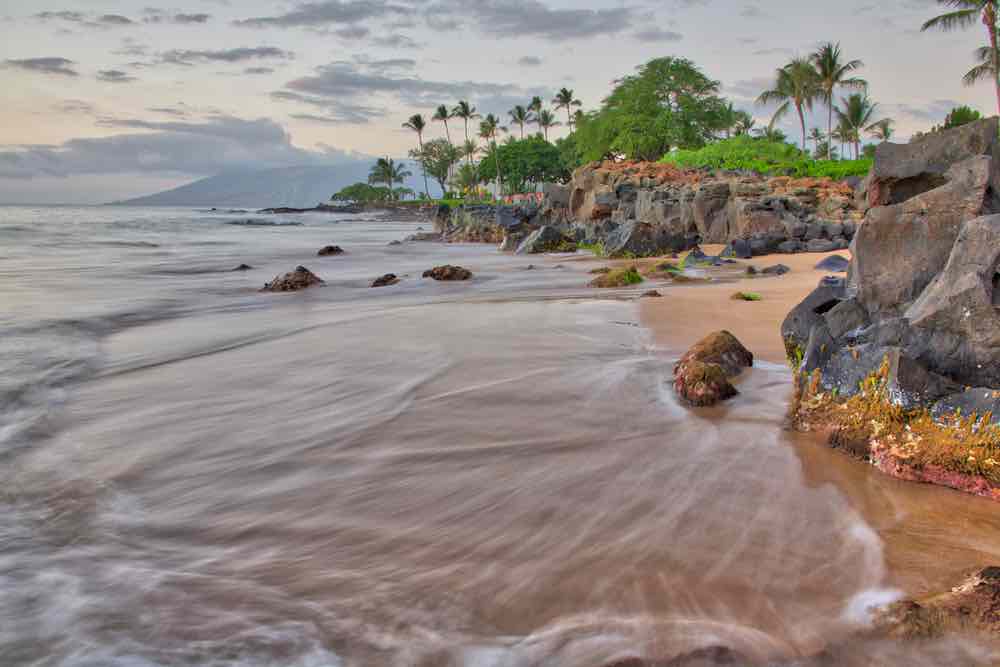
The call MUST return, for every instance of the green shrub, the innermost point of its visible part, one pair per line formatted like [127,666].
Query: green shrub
[596,248]
[771,158]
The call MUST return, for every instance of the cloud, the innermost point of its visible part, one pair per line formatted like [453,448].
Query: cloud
[50,65]
[930,112]
[235,55]
[172,147]
[74,107]
[152,15]
[532,18]
[330,12]
[655,35]
[85,19]
[529,61]
[115,76]
[336,111]
[258,70]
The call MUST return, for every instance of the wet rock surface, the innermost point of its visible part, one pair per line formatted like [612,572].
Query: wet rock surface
[386,280]
[330,251]
[448,272]
[299,279]
[702,376]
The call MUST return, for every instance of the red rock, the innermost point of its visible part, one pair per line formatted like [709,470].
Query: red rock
[300,278]
[448,272]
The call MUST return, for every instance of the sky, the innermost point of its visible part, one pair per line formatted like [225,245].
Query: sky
[106,100]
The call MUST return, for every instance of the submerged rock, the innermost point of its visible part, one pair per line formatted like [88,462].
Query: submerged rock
[834,264]
[300,278]
[386,280]
[448,272]
[971,607]
[243,267]
[330,250]
[654,294]
[776,270]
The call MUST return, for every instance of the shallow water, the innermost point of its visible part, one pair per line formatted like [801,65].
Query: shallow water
[489,474]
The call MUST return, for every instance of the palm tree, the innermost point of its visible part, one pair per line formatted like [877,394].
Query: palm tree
[881,130]
[519,116]
[536,108]
[488,129]
[856,113]
[964,15]
[816,136]
[466,112]
[744,123]
[469,150]
[565,99]
[984,71]
[832,72]
[385,170]
[442,115]
[418,125]
[796,85]
[844,134]
[545,120]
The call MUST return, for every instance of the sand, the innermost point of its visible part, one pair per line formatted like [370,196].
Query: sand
[688,312]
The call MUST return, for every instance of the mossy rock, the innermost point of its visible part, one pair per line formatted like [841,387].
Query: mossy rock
[618,278]
[747,296]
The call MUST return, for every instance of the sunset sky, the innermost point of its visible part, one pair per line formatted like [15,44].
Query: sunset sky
[105,100]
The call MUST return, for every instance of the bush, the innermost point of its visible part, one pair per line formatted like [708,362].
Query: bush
[618,278]
[771,158]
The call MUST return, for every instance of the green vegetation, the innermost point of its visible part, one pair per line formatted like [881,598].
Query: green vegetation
[668,103]
[388,171]
[960,116]
[765,157]
[363,193]
[747,296]
[417,124]
[437,159]
[618,278]
[525,163]
[596,248]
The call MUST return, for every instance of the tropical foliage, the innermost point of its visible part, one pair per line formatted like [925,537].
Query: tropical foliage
[960,116]
[765,157]
[389,172]
[668,103]
[796,86]
[437,158]
[526,163]
[364,193]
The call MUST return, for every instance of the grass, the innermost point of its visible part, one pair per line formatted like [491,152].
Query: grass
[618,278]
[765,157]
[967,444]
[747,296]
[596,248]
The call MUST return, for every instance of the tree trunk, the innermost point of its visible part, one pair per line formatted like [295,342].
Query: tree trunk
[990,19]
[829,125]
[802,124]
[420,143]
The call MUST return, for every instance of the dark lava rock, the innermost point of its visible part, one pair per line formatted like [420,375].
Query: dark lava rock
[243,267]
[702,375]
[545,239]
[751,270]
[397,242]
[652,294]
[386,280]
[834,264]
[330,250]
[776,270]
[448,272]
[821,245]
[300,278]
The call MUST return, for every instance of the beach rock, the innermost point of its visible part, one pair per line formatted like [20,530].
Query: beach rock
[300,278]
[640,239]
[511,242]
[980,401]
[798,324]
[654,294]
[846,316]
[545,239]
[702,376]
[448,272]
[738,248]
[330,250]
[751,271]
[833,264]
[396,242]
[243,267]
[386,280]
[791,247]
[821,245]
[776,270]
[972,607]
[442,218]
[426,237]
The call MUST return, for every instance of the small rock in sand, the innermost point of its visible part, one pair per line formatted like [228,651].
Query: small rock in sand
[300,278]
[653,294]
[776,270]
[330,250]
[243,267]
[834,264]
[702,376]
[448,272]
[386,280]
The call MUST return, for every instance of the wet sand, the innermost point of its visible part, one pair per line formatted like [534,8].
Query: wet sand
[931,535]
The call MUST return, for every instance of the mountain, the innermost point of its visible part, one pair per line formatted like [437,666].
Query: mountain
[297,187]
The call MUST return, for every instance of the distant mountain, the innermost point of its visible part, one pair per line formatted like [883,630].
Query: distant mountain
[297,187]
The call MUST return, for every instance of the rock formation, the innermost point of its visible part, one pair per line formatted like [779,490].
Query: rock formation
[448,272]
[702,376]
[330,250]
[300,278]
[386,280]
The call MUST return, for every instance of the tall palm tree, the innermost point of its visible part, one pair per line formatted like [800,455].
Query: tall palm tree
[387,171]
[469,149]
[856,112]
[418,125]
[565,99]
[535,107]
[744,123]
[834,71]
[881,130]
[488,129]
[442,115]
[816,136]
[545,120]
[520,116]
[964,14]
[985,70]
[466,112]
[795,85]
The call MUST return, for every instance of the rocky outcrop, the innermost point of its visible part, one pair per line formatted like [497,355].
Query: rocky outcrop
[702,376]
[972,607]
[386,280]
[919,308]
[330,251]
[299,279]
[546,239]
[674,209]
[448,272]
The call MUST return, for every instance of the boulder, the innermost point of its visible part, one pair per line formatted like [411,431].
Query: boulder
[821,245]
[710,212]
[738,248]
[791,247]
[640,239]
[655,294]
[956,318]
[243,267]
[903,171]
[845,317]
[448,272]
[442,218]
[545,239]
[979,401]
[300,278]
[702,376]
[969,609]
[798,324]
[833,264]
[901,248]
[386,280]
[776,270]
[330,250]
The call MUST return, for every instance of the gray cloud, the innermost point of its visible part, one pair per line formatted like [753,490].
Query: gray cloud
[931,112]
[529,61]
[531,18]
[115,76]
[174,147]
[152,15]
[654,35]
[75,107]
[258,70]
[335,111]
[241,54]
[49,65]
[313,14]
[85,19]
